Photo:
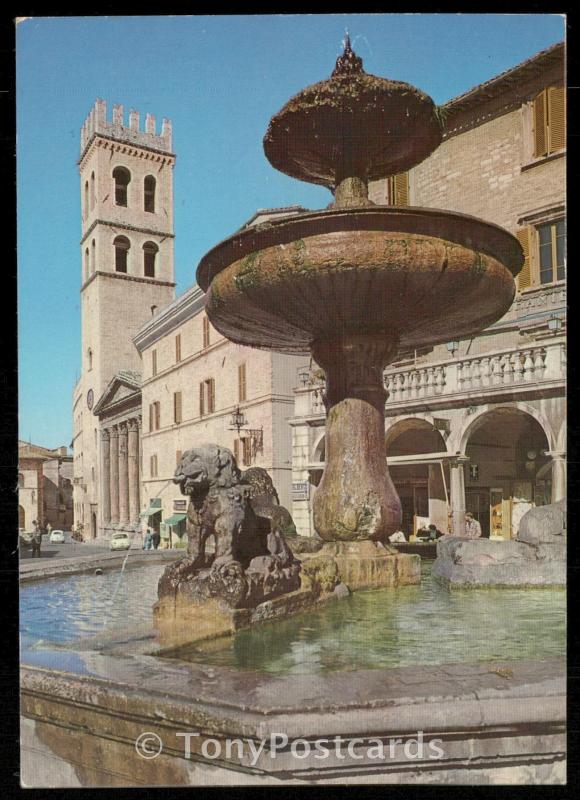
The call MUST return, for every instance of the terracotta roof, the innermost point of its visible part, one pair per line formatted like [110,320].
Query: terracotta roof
[505,80]
[29,450]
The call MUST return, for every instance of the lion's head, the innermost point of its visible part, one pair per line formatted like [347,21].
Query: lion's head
[206,466]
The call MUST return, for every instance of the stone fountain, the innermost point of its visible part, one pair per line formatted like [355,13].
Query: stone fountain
[353,285]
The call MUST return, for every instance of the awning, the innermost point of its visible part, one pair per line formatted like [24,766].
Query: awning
[175,519]
[150,512]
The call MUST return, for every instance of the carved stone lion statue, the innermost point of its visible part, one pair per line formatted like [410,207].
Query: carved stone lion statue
[250,562]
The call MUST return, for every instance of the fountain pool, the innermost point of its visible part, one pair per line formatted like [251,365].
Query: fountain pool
[375,629]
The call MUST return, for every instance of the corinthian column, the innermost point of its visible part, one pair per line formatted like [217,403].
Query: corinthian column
[133,455]
[106,481]
[123,475]
[114,473]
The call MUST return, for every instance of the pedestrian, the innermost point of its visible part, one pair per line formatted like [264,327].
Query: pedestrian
[148,540]
[36,540]
[472,527]
[48,530]
[156,538]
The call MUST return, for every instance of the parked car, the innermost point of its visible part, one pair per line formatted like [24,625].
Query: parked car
[119,541]
[57,537]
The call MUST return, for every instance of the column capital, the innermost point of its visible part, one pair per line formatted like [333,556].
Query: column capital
[105,435]
[132,424]
[113,431]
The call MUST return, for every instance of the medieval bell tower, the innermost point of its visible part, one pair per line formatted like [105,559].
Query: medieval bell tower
[126,177]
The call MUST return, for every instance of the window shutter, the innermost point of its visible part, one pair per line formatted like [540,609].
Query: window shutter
[178,348]
[177,407]
[201,403]
[241,382]
[524,236]
[177,456]
[556,118]
[150,416]
[157,415]
[211,400]
[540,132]
[401,189]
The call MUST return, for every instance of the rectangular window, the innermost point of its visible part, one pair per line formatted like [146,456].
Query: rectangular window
[178,348]
[242,382]
[157,409]
[177,418]
[243,451]
[178,455]
[153,466]
[207,397]
[552,251]
[154,362]
[205,332]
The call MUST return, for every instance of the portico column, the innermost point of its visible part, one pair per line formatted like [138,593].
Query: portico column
[133,450]
[114,473]
[106,481]
[123,474]
[458,495]
[558,476]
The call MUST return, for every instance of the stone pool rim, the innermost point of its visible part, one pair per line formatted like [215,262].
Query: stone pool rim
[520,705]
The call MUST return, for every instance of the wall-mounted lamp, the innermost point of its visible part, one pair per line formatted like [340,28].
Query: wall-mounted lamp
[304,377]
[452,347]
[555,324]
[238,423]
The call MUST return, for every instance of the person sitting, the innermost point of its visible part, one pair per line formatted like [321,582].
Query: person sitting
[423,532]
[434,532]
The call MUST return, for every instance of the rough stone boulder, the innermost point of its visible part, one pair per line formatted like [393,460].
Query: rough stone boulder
[536,558]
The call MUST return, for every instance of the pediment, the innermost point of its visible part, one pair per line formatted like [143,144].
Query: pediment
[120,390]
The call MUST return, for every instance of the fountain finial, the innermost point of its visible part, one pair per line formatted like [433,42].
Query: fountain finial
[348,62]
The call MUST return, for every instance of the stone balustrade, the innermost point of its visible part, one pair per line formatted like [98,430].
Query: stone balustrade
[482,374]
[485,374]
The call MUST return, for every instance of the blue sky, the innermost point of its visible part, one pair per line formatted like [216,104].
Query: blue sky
[219,79]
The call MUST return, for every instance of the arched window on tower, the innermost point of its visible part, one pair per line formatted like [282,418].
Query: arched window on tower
[149,193]
[86,201]
[86,275]
[122,178]
[92,194]
[122,245]
[93,256]
[150,251]
[89,359]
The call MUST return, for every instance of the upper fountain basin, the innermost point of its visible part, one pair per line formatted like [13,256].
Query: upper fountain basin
[353,124]
[423,275]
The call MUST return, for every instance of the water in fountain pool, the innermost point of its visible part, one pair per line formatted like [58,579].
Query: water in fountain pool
[410,625]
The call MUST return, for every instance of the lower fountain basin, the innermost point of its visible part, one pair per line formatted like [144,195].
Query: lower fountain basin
[418,275]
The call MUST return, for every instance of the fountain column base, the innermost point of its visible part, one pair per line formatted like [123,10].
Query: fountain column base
[370,565]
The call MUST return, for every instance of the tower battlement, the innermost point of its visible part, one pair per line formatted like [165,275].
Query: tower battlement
[97,122]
